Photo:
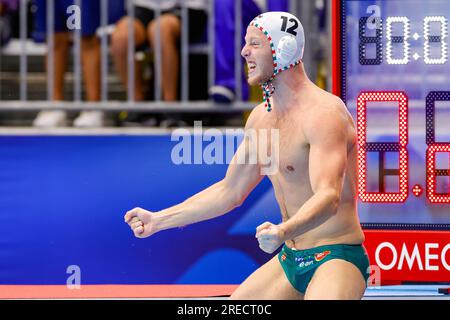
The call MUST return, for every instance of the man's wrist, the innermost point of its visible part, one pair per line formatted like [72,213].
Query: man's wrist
[283,232]
[157,219]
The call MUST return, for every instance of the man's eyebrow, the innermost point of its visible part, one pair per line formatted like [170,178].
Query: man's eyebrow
[247,39]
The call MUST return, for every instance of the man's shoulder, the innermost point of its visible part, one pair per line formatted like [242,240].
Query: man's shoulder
[323,106]
[330,101]
[329,112]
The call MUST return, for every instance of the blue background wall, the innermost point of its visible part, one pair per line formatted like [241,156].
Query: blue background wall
[63,198]
[62,201]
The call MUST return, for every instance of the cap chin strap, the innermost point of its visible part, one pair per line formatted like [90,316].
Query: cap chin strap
[268,90]
[268,87]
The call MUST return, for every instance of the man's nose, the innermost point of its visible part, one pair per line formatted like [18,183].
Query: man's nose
[245,51]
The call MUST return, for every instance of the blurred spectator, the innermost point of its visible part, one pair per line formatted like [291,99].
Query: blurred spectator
[224,88]
[7,7]
[144,32]
[90,57]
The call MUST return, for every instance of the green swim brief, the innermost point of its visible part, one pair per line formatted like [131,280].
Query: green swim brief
[300,265]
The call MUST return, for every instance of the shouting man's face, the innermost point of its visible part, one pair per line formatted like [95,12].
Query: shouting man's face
[258,55]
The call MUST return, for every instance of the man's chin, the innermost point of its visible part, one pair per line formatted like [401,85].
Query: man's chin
[257,80]
[254,81]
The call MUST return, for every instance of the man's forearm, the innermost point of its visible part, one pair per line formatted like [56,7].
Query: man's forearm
[313,213]
[207,204]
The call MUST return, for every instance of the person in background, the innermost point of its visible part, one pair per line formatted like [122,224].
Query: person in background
[90,58]
[145,25]
[7,7]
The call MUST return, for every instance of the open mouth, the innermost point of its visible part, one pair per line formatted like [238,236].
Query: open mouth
[251,67]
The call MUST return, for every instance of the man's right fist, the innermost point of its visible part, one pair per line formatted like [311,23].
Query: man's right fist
[141,222]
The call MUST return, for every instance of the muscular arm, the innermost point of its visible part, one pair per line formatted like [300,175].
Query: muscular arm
[216,200]
[212,202]
[328,139]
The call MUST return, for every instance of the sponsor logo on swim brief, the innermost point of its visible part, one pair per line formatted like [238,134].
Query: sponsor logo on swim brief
[283,257]
[306,263]
[304,259]
[320,256]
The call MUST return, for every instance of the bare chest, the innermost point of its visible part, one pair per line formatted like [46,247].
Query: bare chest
[285,150]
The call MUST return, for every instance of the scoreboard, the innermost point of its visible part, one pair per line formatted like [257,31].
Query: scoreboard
[391,67]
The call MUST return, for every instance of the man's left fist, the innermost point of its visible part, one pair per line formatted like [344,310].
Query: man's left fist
[270,237]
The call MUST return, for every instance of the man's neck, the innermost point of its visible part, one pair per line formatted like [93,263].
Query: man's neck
[290,85]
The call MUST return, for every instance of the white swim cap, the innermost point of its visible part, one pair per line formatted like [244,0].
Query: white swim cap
[287,40]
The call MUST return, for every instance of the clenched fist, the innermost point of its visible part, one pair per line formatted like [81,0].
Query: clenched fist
[270,237]
[141,222]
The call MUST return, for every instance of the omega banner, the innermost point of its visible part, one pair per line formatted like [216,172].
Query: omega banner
[409,256]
